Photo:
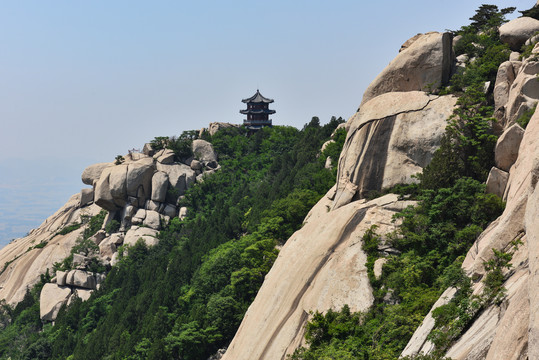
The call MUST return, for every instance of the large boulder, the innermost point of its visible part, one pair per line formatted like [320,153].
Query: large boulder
[214,127]
[149,236]
[524,92]
[497,181]
[102,195]
[328,272]
[504,80]
[86,197]
[424,65]
[517,31]
[81,278]
[152,220]
[118,184]
[203,151]
[180,177]
[51,299]
[139,176]
[506,151]
[391,138]
[159,186]
[93,172]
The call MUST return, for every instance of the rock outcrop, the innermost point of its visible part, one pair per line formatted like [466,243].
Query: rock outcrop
[330,274]
[517,31]
[390,138]
[509,331]
[424,63]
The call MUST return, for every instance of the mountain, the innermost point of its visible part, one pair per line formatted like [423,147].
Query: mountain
[227,243]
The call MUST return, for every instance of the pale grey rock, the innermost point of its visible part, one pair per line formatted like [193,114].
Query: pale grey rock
[80,261]
[83,294]
[93,172]
[51,299]
[203,151]
[328,272]
[182,213]
[102,195]
[180,176]
[517,31]
[153,205]
[61,278]
[152,220]
[117,238]
[139,217]
[524,92]
[196,165]
[159,186]
[497,181]
[170,210]
[148,235]
[391,138]
[107,248]
[80,278]
[506,151]
[504,79]
[114,260]
[118,184]
[328,164]
[424,65]
[214,127]
[167,157]
[325,145]
[86,197]
[378,266]
[139,174]
[98,236]
[515,56]
[148,149]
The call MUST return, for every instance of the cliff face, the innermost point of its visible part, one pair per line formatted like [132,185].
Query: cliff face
[391,137]
[322,266]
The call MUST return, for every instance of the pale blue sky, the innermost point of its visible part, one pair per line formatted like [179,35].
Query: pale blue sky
[84,81]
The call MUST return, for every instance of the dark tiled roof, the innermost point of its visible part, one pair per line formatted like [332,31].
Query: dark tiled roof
[257,98]
[257,111]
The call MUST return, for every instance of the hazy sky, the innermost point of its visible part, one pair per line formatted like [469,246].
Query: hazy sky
[84,81]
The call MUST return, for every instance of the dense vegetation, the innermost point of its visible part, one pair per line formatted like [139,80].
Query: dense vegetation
[452,211]
[185,297]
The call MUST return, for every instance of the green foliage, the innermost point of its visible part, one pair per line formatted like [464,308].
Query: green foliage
[119,160]
[532,12]
[112,227]
[524,119]
[432,239]
[180,145]
[185,297]
[70,228]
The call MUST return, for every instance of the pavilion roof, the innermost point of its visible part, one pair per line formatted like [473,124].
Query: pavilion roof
[257,98]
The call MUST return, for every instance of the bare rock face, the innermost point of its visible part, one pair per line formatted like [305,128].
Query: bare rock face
[26,265]
[504,79]
[517,31]
[203,151]
[497,181]
[93,172]
[214,127]
[424,64]
[326,247]
[51,300]
[149,236]
[159,186]
[511,330]
[507,146]
[391,138]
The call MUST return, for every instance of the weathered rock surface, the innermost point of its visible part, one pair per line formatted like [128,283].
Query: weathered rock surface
[423,65]
[214,127]
[497,181]
[27,265]
[326,247]
[517,31]
[86,197]
[149,236]
[506,151]
[203,151]
[391,138]
[80,278]
[93,172]
[51,299]
[159,186]
[509,331]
